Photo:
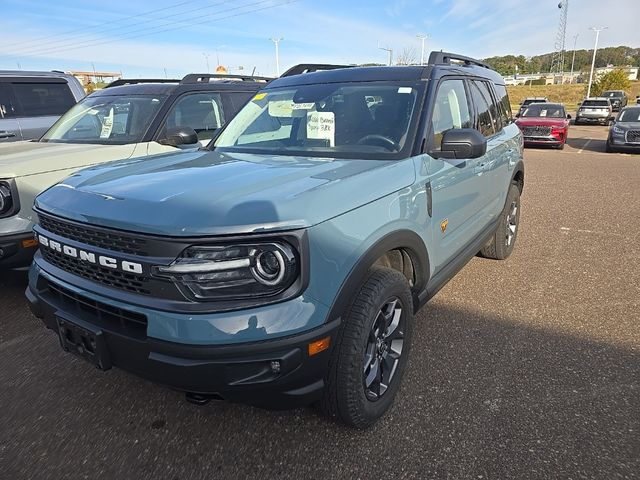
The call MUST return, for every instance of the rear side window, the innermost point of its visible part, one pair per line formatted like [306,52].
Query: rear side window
[503,104]
[200,111]
[39,99]
[595,103]
[451,110]
[486,112]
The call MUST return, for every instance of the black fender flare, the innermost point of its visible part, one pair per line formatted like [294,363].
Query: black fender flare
[518,169]
[407,240]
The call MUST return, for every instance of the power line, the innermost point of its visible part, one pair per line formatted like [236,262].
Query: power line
[65,42]
[82,29]
[126,37]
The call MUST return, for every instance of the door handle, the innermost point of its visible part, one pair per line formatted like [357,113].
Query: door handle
[5,134]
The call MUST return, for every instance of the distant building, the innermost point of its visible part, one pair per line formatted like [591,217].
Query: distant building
[632,72]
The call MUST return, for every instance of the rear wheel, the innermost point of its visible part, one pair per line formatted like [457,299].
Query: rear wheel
[503,240]
[372,349]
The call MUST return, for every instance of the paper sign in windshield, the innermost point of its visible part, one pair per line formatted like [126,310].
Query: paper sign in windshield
[107,125]
[321,125]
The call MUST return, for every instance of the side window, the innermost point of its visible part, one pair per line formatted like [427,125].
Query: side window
[200,111]
[451,110]
[6,105]
[39,99]
[504,104]
[239,100]
[485,108]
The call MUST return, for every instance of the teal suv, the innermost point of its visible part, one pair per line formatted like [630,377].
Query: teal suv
[283,264]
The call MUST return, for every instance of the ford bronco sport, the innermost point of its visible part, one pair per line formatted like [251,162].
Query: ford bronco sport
[129,118]
[284,265]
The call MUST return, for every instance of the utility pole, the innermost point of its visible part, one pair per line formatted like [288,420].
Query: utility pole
[206,57]
[423,37]
[573,60]
[593,62]
[389,51]
[277,42]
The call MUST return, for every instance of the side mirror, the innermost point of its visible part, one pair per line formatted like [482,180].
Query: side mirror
[568,116]
[462,143]
[176,136]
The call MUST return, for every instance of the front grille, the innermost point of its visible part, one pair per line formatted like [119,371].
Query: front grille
[536,131]
[633,136]
[112,240]
[106,276]
[78,304]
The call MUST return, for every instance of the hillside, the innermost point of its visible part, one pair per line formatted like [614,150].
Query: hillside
[541,63]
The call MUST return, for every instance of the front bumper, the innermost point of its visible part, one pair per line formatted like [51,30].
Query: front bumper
[592,117]
[618,142]
[241,372]
[14,253]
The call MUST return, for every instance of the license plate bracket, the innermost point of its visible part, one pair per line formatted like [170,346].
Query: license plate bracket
[86,342]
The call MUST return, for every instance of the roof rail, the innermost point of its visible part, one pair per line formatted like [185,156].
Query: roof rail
[207,77]
[445,58]
[311,67]
[133,81]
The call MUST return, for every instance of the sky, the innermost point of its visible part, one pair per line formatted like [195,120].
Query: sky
[158,38]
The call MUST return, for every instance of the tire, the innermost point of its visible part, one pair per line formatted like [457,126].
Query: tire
[501,244]
[347,397]
[560,147]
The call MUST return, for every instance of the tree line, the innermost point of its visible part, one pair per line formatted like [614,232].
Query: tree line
[617,56]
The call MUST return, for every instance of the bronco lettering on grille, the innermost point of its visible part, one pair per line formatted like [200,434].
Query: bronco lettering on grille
[89,257]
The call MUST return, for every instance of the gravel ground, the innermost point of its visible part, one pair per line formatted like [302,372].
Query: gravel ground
[528,368]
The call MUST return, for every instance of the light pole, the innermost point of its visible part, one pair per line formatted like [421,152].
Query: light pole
[573,60]
[277,42]
[389,51]
[423,37]
[593,62]
[206,56]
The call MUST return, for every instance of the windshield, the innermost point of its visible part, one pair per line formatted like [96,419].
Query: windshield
[630,115]
[595,103]
[544,110]
[107,120]
[533,100]
[335,120]
[612,94]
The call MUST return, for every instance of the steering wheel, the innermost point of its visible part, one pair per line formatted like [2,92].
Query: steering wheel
[380,140]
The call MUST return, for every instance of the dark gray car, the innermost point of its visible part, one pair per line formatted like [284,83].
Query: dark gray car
[618,99]
[30,102]
[624,134]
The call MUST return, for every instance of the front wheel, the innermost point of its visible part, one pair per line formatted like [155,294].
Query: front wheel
[503,240]
[371,352]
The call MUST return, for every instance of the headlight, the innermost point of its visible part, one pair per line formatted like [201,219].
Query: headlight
[234,271]
[617,130]
[9,204]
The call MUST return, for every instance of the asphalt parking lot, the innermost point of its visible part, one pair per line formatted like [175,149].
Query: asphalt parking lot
[528,368]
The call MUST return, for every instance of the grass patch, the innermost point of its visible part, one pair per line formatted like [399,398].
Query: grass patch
[570,95]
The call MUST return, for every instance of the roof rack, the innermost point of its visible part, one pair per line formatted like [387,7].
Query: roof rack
[134,81]
[207,77]
[311,67]
[445,58]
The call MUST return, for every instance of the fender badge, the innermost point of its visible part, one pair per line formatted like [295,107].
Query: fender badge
[443,225]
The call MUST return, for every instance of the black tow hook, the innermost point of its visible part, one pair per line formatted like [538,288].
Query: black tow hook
[198,398]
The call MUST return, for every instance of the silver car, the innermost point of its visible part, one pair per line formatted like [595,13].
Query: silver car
[30,102]
[595,110]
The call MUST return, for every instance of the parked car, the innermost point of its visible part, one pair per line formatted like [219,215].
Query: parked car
[618,99]
[130,119]
[624,134]
[283,265]
[31,101]
[595,110]
[544,124]
[528,101]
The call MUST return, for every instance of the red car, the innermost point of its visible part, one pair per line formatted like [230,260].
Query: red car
[544,124]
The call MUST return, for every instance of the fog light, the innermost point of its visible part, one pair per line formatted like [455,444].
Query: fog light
[319,346]
[275,366]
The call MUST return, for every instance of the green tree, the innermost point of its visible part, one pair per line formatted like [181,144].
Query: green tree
[614,80]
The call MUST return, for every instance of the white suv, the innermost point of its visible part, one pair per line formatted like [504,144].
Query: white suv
[128,119]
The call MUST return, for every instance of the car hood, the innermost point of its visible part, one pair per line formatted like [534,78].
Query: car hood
[547,122]
[20,159]
[629,125]
[214,193]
